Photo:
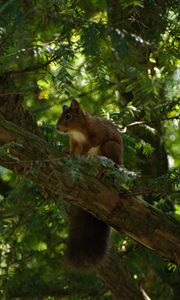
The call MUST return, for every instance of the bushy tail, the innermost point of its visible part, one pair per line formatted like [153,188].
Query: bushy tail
[88,240]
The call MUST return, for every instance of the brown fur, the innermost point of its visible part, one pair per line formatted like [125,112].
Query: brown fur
[88,237]
[93,132]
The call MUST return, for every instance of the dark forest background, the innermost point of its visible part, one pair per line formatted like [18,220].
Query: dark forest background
[120,60]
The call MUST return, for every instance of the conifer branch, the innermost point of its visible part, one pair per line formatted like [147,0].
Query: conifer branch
[69,178]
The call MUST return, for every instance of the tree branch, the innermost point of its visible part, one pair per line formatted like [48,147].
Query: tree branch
[153,121]
[11,109]
[33,157]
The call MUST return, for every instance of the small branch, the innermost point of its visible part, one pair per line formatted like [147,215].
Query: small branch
[153,121]
[31,68]
[124,129]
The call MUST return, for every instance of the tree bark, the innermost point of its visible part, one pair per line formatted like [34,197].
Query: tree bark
[30,159]
[11,106]
[31,156]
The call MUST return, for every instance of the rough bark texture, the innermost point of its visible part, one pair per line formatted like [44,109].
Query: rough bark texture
[30,163]
[41,163]
[11,106]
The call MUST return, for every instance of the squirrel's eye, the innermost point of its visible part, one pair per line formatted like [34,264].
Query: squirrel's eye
[68,117]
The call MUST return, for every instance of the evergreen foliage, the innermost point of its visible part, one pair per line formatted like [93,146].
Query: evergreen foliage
[120,60]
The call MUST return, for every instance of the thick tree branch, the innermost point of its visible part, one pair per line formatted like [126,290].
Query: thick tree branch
[31,156]
[11,109]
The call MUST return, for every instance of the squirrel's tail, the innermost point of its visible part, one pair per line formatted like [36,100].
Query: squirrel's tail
[88,240]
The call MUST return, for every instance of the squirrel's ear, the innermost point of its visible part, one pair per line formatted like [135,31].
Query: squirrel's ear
[75,104]
[65,107]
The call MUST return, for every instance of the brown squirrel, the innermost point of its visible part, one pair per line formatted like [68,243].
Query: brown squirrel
[88,135]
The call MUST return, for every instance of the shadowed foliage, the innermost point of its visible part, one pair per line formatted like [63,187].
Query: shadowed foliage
[119,59]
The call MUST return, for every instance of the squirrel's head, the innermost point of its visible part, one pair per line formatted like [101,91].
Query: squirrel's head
[71,119]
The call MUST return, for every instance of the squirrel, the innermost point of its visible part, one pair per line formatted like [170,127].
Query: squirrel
[88,238]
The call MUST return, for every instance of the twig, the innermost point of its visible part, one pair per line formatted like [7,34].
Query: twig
[124,128]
